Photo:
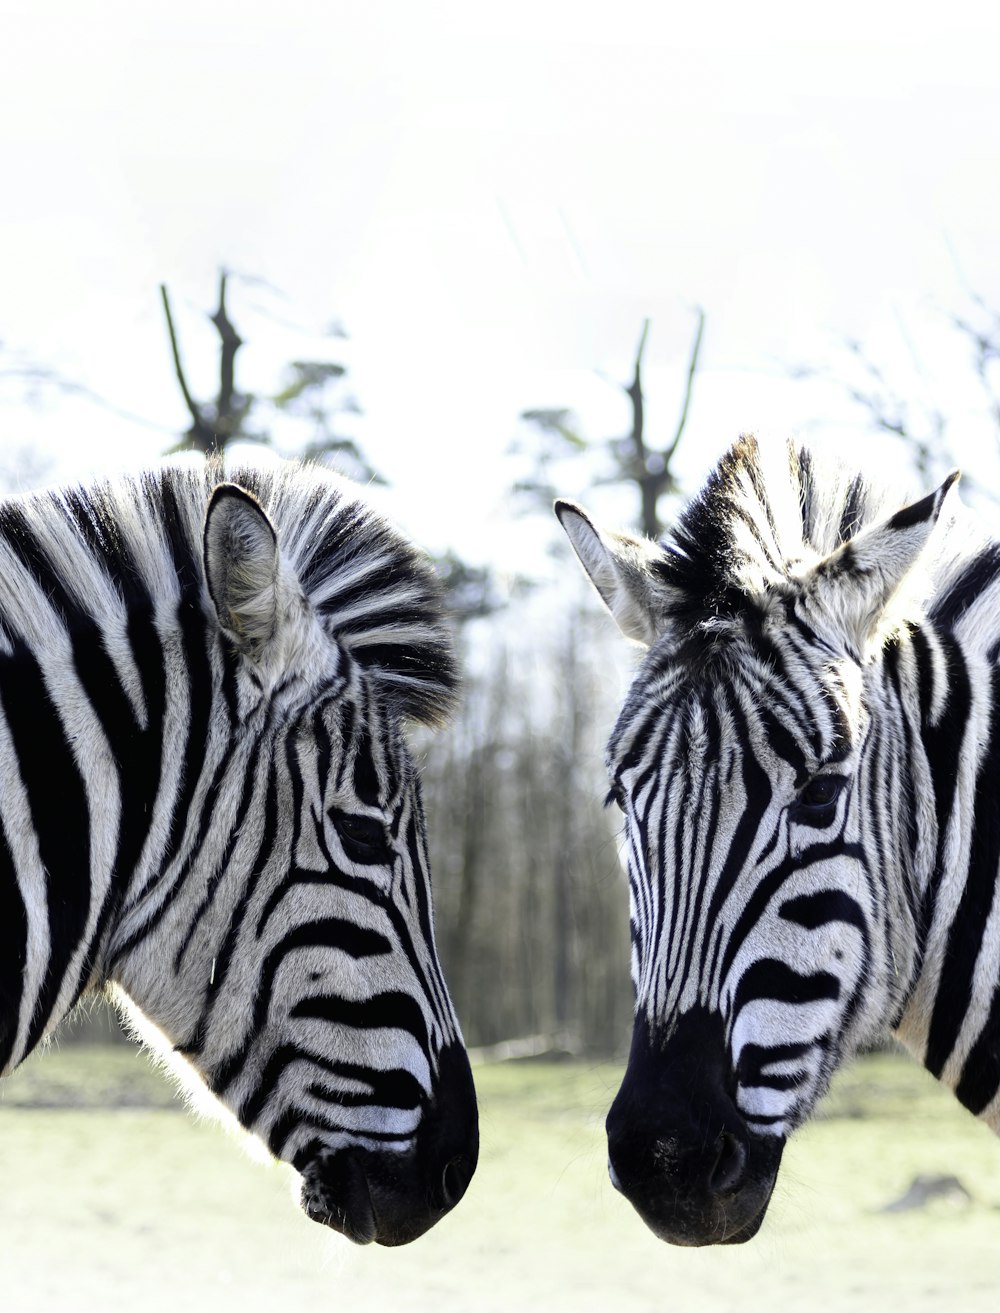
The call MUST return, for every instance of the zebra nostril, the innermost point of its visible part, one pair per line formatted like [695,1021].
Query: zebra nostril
[455,1180]
[729,1168]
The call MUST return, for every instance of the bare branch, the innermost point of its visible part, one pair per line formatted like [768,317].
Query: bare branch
[227,421]
[692,368]
[634,394]
[200,434]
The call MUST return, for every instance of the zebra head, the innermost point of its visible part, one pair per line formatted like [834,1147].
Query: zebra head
[767,915]
[286,952]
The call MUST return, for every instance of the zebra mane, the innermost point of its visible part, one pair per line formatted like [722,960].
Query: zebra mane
[762,517]
[373,590]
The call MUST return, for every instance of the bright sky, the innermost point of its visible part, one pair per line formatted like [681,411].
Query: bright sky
[491,205]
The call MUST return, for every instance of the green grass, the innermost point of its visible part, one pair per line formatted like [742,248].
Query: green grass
[114,1199]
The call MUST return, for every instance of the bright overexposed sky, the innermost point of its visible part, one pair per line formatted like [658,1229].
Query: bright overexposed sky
[490,199]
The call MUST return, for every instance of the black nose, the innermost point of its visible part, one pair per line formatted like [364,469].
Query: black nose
[679,1148]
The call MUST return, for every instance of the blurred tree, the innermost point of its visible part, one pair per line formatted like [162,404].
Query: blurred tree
[531,908]
[903,401]
[634,461]
[312,392]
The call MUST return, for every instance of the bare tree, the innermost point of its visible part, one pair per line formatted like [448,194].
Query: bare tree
[634,459]
[311,393]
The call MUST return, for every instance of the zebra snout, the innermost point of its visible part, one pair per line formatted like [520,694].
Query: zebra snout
[679,1149]
[393,1197]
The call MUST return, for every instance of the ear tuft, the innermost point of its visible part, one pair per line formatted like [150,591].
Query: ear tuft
[241,567]
[866,584]
[621,569]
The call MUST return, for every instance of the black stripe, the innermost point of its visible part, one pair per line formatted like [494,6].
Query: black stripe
[917,512]
[293,1118]
[947,609]
[757,791]
[768,886]
[389,1011]
[853,509]
[944,744]
[755,1057]
[95,517]
[331,933]
[394,1088]
[980,1078]
[13,949]
[245,790]
[823,908]
[58,802]
[769,978]
[25,546]
[265,850]
[965,936]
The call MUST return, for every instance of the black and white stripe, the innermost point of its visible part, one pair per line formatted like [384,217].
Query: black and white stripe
[207,804]
[807,760]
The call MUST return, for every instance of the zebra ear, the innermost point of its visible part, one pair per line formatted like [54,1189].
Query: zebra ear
[241,567]
[621,569]
[858,583]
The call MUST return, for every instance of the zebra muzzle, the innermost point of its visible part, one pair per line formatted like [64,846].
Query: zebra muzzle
[679,1149]
[394,1197]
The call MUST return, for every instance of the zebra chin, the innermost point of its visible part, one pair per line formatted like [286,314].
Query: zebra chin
[391,1197]
[679,1149]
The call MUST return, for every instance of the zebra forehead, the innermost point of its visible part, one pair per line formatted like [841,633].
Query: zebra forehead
[692,702]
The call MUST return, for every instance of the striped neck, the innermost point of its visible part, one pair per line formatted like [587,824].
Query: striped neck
[951,1018]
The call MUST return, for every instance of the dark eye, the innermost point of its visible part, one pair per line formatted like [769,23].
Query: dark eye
[817,799]
[616,795]
[363,837]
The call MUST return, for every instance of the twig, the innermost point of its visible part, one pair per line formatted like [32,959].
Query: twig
[199,433]
[692,368]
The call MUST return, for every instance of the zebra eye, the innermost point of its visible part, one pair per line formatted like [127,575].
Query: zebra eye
[819,796]
[616,795]
[363,838]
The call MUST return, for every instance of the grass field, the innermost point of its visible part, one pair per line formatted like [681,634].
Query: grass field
[114,1199]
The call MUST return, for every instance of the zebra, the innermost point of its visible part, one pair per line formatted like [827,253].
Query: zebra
[807,762]
[208,809]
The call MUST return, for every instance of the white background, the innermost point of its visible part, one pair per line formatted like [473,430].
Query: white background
[490,199]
